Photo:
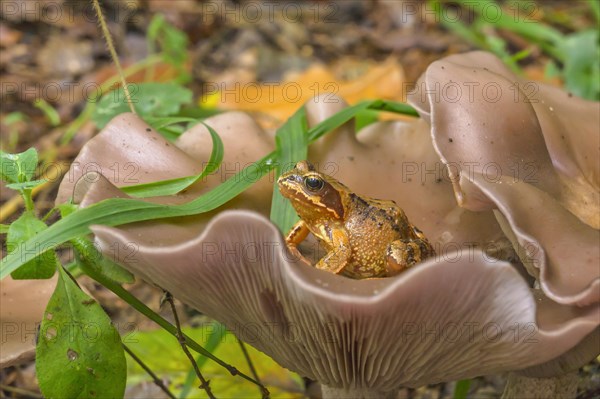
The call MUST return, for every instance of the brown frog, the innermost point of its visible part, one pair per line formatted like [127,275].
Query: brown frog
[364,237]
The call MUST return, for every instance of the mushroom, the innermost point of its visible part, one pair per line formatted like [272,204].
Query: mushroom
[443,320]
[23,303]
[458,315]
[535,167]
[128,152]
[538,159]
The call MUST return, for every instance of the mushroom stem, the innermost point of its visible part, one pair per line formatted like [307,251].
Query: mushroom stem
[356,393]
[563,387]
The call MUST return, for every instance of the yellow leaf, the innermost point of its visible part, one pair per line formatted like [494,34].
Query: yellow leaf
[280,100]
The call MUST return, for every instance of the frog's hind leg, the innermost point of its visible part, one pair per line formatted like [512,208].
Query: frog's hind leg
[402,254]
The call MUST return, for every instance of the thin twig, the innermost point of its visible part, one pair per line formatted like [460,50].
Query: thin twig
[264,391]
[113,52]
[159,383]
[204,384]
[150,314]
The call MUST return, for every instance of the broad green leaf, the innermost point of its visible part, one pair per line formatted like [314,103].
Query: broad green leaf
[4,228]
[118,211]
[174,186]
[87,256]
[582,64]
[291,142]
[551,70]
[162,353]
[172,41]
[28,185]
[18,168]
[79,352]
[149,99]
[44,264]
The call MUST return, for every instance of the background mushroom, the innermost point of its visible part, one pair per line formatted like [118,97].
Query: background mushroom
[545,193]
[141,155]
[528,159]
[23,304]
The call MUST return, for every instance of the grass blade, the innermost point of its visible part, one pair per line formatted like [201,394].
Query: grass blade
[462,389]
[292,146]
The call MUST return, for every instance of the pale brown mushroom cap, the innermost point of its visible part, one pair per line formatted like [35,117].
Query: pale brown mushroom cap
[529,151]
[22,305]
[440,321]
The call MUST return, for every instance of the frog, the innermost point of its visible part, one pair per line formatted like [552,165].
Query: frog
[364,237]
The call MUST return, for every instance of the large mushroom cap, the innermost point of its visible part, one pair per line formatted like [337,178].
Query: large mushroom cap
[440,321]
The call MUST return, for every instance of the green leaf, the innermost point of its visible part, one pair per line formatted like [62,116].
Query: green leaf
[28,185]
[88,257]
[174,186]
[551,70]
[173,42]
[118,211]
[4,228]
[79,352]
[149,99]
[18,168]
[162,353]
[291,142]
[44,264]
[582,64]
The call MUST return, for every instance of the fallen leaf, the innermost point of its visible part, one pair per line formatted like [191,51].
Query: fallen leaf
[280,100]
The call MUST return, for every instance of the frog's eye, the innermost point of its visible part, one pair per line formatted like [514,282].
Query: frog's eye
[313,183]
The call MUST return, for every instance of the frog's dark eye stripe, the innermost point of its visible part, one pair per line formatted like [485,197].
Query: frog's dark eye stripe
[313,183]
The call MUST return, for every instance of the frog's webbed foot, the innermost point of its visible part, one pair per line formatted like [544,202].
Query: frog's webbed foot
[402,254]
[338,257]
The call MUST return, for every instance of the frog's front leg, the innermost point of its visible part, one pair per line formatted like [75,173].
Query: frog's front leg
[295,236]
[338,257]
[402,254]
